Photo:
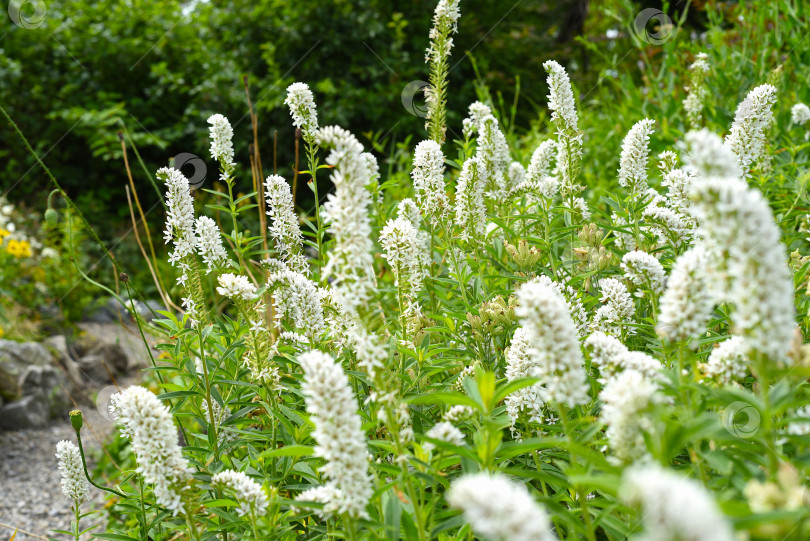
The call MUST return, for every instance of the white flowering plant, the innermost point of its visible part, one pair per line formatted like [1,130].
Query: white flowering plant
[484,349]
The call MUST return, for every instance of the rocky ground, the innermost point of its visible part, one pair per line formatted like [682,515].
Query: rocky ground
[31,500]
[30,489]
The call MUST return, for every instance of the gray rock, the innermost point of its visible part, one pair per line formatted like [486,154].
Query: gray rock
[15,357]
[96,369]
[58,344]
[48,384]
[113,354]
[30,412]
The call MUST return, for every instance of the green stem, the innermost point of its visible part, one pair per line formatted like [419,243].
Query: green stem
[581,498]
[76,514]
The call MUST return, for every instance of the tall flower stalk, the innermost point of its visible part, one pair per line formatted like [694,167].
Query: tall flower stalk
[445,24]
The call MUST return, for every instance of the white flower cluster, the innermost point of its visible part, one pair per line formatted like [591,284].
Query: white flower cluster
[728,361]
[404,250]
[221,135]
[499,509]
[209,243]
[346,212]
[666,222]
[686,304]
[74,482]
[627,400]
[516,174]
[338,432]
[617,308]
[493,154]
[471,214]
[302,109]
[799,114]
[572,299]
[179,217]
[634,157]
[180,230]
[746,139]
[476,113]
[749,263]
[707,156]
[235,286]
[250,495]
[564,116]
[428,179]
[612,357]
[456,414]
[149,425]
[697,91]
[299,301]
[521,364]
[553,343]
[539,177]
[284,228]
[673,507]
[678,182]
[409,210]
[644,270]
[446,432]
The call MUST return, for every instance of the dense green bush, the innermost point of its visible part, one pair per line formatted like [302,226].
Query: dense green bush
[629,345]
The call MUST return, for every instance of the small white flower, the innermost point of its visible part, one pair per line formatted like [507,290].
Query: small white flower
[471,215]
[552,342]
[209,243]
[74,482]
[446,432]
[627,399]
[635,153]
[748,266]
[236,287]
[746,139]
[728,361]
[673,507]
[686,305]
[428,179]
[618,308]
[250,494]
[351,261]
[644,270]
[706,155]
[499,509]
[221,135]
[338,432]
[799,114]
[149,425]
[284,228]
[302,108]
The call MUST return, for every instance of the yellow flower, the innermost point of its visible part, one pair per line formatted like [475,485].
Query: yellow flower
[18,248]
[2,332]
[4,233]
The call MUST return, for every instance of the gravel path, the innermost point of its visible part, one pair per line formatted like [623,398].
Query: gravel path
[30,491]
[31,499]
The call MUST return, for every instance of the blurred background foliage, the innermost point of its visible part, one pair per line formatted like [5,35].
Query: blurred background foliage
[157,69]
